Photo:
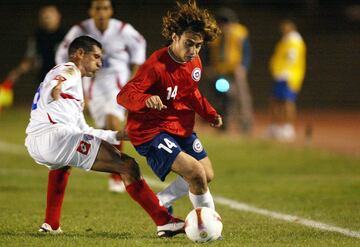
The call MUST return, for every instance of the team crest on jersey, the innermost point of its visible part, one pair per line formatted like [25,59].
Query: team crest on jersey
[197,146]
[196,74]
[83,147]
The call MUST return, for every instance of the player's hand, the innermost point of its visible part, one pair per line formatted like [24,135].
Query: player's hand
[218,122]
[154,102]
[122,135]
[56,91]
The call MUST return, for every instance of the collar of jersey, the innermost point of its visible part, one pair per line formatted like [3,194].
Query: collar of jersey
[173,57]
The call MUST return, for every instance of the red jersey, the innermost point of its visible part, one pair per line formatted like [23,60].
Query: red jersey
[177,86]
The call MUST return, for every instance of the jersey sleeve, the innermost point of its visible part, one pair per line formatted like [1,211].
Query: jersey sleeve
[53,78]
[133,95]
[46,89]
[61,55]
[202,106]
[136,45]
[106,135]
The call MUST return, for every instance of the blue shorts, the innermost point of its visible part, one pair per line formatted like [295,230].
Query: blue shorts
[281,91]
[161,151]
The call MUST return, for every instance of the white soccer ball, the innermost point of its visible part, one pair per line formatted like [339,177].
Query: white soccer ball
[203,225]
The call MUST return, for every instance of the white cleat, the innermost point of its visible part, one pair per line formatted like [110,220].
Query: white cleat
[46,228]
[116,186]
[174,227]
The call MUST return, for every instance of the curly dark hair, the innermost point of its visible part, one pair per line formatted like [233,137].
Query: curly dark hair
[188,17]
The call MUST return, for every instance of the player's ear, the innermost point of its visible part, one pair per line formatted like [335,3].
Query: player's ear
[79,53]
[174,37]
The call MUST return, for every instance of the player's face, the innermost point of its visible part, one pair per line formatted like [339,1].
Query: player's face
[187,46]
[101,11]
[49,18]
[91,62]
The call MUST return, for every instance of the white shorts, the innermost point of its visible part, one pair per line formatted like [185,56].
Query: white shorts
[103,105]
[63,146]
[101,92]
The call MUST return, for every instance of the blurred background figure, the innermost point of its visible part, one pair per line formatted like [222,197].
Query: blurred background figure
[228,61]
[124,50]
[6,94]
[40,51]
[287,67]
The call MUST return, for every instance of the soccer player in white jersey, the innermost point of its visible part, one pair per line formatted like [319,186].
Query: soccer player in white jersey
[124,51]
[59,138]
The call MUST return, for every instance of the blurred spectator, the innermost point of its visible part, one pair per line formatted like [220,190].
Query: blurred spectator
[287,67]
[229,60]
[123,52]
[41,47]
[40,52]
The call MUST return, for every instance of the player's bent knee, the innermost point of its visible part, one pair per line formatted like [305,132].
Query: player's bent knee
[132,169]
[197,176]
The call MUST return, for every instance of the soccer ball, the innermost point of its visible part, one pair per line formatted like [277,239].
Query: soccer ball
[203,225]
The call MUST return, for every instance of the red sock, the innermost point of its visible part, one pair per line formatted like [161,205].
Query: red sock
[57,181]
[116,176]
[142,193]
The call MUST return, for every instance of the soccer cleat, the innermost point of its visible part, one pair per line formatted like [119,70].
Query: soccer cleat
[174,227]
[116,186]
[46,228]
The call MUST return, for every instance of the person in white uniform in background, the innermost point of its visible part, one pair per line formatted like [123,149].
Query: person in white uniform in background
[59,138]
[124,50]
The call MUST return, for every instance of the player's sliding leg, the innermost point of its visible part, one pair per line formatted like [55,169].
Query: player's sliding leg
[115,182]
[194,173]
[180,187]
[57,181]
[110,160]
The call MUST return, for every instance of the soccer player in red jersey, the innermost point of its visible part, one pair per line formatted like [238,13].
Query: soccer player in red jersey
[162,100]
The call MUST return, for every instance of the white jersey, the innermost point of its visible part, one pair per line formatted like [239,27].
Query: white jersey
[122,46]
[48,114]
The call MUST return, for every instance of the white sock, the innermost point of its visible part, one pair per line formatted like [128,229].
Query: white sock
[204,200]
[174,191]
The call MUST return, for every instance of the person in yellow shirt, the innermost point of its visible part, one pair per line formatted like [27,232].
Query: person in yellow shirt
[287,67]
[229,60]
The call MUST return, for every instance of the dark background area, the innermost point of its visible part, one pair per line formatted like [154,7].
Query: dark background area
[330,30]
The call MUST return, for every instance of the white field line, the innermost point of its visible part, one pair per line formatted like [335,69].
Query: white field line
[240,206]
[12,148]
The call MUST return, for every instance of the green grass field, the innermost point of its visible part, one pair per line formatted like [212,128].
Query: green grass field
[318,186]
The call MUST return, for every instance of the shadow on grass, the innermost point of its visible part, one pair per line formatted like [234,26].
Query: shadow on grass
[89,234]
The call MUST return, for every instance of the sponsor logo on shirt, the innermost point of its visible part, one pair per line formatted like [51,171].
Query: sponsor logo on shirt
[196,74]
[83,147]
[88,137]
[197,147]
